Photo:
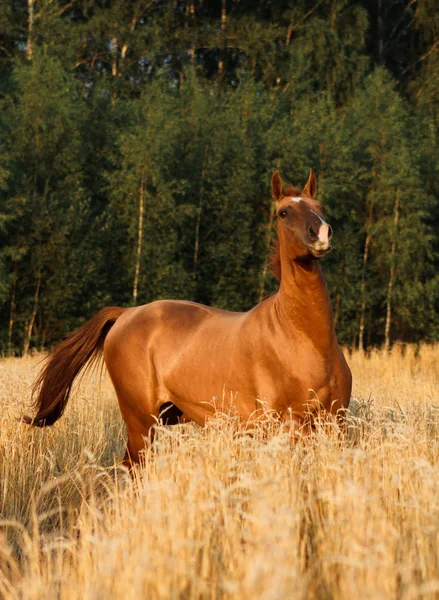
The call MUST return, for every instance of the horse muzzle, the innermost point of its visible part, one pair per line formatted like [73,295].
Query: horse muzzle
[319,251]
[319,239]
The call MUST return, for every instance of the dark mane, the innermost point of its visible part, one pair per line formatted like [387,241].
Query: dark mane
[274,265]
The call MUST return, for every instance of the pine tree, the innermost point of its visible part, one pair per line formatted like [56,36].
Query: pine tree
[43,190]
[144,197]
[137,141]
[394,204]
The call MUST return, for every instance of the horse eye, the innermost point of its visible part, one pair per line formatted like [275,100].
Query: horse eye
[322,208]
[282,214]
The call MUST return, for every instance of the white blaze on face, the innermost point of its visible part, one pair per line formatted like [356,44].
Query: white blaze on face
[323,231]
[324,234]
[298,199]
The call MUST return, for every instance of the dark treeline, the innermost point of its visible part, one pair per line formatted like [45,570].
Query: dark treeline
[137,141]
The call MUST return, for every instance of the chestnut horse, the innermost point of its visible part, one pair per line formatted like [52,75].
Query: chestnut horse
[280,356]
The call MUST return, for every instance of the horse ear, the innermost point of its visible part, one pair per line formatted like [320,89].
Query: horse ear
[276,186]
[311,186]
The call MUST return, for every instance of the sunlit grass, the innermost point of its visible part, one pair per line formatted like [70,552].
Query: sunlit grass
[216,513]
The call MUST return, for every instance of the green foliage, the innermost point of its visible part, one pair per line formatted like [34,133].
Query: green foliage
[184,110]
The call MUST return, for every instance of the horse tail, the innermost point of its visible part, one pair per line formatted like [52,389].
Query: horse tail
[80,350]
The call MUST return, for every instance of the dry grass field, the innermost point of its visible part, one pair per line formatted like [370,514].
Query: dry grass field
[216,513]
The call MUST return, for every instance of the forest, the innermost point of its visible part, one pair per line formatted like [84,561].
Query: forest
[138,139]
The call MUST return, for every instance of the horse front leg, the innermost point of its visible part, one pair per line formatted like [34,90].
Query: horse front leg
[297,425]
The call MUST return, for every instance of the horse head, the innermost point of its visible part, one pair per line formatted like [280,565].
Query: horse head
[302,228]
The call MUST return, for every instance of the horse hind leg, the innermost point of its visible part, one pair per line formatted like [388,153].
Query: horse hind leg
[136,390]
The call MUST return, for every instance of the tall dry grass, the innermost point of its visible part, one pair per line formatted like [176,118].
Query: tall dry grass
[215,513]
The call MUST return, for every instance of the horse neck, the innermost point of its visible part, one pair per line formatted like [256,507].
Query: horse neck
[303,302]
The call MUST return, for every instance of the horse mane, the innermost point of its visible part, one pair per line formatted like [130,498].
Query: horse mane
[292,191]
[274,264]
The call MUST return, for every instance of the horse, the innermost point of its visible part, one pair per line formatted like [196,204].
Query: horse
[281,355]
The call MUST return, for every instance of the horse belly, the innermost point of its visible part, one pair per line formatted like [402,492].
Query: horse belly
[214,369]
[200,381]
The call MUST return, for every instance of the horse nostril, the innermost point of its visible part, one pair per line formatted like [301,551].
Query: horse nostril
[313,234]
[329,232]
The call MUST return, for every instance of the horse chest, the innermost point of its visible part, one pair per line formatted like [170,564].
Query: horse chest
[304,379]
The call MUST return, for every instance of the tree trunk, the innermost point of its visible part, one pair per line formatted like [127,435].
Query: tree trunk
[365,259]
[189,17]
[363,294]
[289,33]
[30,325]
[338,296]
[114,50]
[43,338]
[392,273]
[30,25]
[200,209]
[139,238]
[11,316]
[223,36]
[293,26]
[380,34]
[123,51]
[322,164]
